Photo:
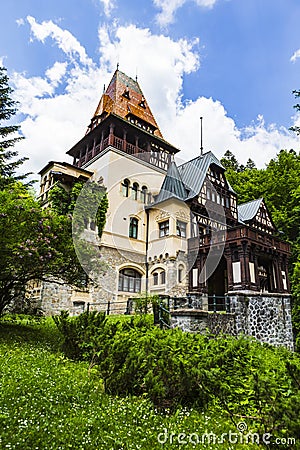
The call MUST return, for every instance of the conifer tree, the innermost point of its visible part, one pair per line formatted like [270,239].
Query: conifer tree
[8,134]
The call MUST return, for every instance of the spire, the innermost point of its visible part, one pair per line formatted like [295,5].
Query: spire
[124,98]
[201,137]
[172,185]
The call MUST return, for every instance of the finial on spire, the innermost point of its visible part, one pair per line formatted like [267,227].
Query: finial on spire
[201,137]
[117,66]
[103,88]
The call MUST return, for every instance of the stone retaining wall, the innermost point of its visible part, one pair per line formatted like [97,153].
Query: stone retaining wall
[266,317]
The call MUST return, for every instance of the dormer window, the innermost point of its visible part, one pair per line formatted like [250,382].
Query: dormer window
[126,94]
[142,103]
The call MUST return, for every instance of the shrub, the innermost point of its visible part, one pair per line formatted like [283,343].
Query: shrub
[241,376]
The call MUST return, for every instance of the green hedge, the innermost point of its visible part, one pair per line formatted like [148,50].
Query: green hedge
[245,378]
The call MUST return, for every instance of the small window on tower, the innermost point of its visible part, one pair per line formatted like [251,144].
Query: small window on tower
[133,228]
[125,187]
[134,191]
[126,94]
[142,103]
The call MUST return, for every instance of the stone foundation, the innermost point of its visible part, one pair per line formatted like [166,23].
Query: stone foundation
[266,317]
[203,322]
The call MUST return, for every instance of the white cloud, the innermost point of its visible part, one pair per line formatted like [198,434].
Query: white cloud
[169,8]
[56,72]
[64,39]
[58,106]
[20,22]
[108,6]
[295,56]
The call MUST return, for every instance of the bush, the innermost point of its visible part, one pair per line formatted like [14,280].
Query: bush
[242,377]
[80,334]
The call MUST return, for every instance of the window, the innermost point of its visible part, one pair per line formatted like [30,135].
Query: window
[129,280]
[133,228]
[159,277]
[134,192]
[181,228]
[180,274]
[164,228]
[144,194]
[93,225]
[125,187]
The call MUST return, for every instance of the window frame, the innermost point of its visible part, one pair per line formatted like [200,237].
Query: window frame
[164,228]
[130,281]
[125,187]
[133,228]
[181,228]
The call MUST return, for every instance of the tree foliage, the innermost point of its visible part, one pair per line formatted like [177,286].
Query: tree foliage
[63,202]
[8,134]
[297,107]
[36,245]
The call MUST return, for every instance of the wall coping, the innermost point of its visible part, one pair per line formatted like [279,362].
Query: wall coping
[258,294]
[198,313]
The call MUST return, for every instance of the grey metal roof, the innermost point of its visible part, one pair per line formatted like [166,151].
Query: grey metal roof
[193,172]
[248,211]
[172,185]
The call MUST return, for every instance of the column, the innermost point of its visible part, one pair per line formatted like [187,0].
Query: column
[111,134]
[124,140]
[94,148]
[228,257]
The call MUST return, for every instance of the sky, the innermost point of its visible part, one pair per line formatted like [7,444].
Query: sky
[233,62]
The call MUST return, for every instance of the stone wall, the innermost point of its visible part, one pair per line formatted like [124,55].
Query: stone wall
[266,317]
[203,322]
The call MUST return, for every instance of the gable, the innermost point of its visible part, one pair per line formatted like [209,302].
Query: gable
[256,214]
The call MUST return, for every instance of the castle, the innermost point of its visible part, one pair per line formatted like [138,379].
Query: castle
[171,229]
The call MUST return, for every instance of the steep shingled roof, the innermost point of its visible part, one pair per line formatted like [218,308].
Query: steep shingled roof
[172,186]
[124,96]
[193,172]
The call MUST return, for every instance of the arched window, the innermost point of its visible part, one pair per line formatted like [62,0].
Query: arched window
[180,273]
[144,194]
[133,227]
[125,187]
[159,277]
[134,192]
[129,280]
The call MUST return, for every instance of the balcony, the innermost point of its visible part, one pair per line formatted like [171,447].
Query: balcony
[159,159]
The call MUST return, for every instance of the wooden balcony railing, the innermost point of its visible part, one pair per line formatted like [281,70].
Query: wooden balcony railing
[158,159]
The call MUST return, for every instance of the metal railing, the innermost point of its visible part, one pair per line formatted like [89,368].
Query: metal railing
[218,303]
[108,306]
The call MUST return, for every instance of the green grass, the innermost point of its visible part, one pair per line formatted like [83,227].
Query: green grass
[49,402]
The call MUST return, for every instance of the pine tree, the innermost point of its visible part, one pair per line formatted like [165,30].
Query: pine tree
[8,137]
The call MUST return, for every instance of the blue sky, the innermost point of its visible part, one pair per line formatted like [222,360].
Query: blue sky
[234,62]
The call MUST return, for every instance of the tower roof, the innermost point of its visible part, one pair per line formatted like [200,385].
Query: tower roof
[124,98]
[172,186]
